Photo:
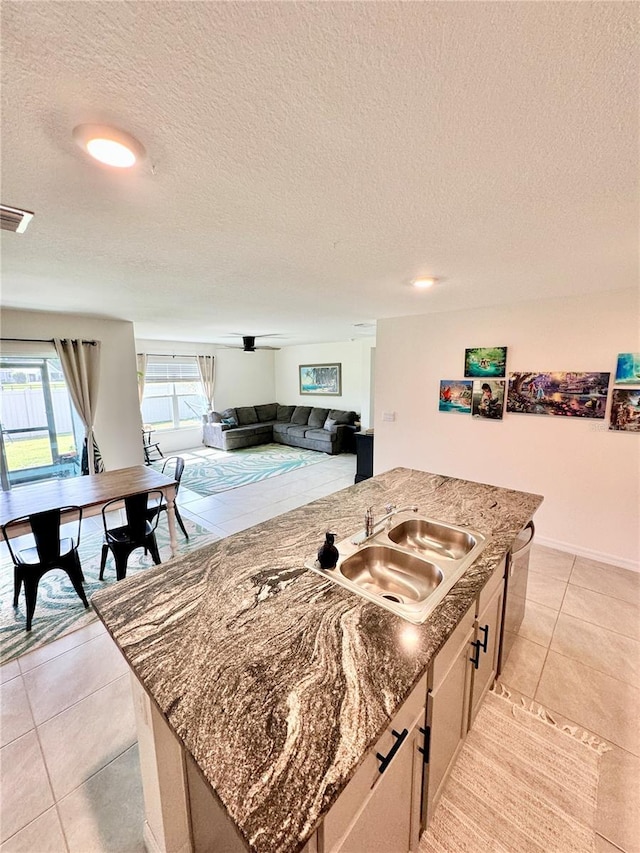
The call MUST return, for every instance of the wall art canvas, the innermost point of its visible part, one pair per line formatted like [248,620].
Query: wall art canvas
[488,399]
[628,369]
[321,379]
[625,410]
[579,395]
[455,396]
[485,362]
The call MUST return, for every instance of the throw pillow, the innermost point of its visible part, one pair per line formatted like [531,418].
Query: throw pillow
[229,421]
[331,425]
[230,413]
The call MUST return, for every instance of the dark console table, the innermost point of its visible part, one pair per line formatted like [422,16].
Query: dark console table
[364,456]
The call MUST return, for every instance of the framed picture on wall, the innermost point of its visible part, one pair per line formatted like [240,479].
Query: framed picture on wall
[321,379]
[485,362]
[578,395]
[628,368]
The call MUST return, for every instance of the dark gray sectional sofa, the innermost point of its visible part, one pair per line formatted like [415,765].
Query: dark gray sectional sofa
[311,427]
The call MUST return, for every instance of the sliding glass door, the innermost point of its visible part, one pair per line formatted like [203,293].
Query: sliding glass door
[39,426]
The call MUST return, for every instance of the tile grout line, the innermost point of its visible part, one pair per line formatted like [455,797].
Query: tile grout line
[55,657]
[78,701]
[46,770]
[546,654]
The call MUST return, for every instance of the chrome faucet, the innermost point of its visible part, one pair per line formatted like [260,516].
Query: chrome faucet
[371,526]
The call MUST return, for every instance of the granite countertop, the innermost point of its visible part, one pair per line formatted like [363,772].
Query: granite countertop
[276,680]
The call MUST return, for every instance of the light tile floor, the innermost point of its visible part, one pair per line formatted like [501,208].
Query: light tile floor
[70,773]
[578,655]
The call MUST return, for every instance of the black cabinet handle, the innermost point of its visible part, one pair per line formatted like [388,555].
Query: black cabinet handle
[485,629]
[385,760]
[427,743]
[475,660]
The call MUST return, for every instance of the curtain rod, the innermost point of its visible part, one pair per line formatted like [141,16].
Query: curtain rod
[170,355]
[42,340]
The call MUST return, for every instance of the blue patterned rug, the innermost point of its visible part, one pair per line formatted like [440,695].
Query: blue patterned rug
[209,471]
[58,608]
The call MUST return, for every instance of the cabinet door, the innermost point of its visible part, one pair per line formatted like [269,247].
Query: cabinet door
[447,721]
[487,650]
[384,824]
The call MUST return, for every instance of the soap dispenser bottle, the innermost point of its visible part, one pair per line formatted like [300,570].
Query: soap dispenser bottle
[328,553]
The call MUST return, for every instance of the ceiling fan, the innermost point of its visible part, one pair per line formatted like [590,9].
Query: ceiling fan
[249,342]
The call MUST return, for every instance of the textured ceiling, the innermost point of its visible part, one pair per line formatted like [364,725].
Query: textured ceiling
[307,160]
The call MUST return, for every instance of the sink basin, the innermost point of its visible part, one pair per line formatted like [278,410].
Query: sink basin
[408,569]
[394,575]
[433,539]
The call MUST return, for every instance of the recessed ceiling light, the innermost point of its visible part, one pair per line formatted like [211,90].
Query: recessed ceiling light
[423,283]
[109,145]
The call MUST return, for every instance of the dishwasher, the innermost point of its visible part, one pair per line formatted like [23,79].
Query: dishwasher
[515,594]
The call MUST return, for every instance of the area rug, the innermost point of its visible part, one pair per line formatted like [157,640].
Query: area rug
[521,784]
[58,609]
[209,474]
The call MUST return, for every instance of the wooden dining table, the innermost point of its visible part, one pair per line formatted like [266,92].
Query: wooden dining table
[90,493]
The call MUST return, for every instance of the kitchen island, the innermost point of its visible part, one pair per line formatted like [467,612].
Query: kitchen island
[277,682]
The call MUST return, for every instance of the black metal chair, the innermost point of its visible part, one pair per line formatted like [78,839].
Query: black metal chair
[156,509]
[150,447]
[138,532]
[49,551]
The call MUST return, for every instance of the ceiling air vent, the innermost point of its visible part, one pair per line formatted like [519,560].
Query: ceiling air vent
[14,219]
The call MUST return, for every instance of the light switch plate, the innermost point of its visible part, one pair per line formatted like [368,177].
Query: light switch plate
[388,416]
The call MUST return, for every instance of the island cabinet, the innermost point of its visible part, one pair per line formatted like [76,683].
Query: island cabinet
[461,674]
[486,643]
[379,810]
[447,719]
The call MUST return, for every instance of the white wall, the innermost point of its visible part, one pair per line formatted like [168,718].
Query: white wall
[355,358]
[241,379]
[589,476]
[118,423]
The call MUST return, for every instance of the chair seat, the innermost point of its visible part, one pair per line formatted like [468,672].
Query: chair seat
[29,556]
[122,535]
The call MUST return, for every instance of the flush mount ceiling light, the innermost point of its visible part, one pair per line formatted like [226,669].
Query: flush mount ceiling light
[423,283]
[109,145]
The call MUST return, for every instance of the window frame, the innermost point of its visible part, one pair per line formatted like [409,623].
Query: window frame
[172,378]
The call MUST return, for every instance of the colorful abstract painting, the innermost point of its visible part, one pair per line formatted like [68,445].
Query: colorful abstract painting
[625,410]
[578,395]
[485,362]
[628,369]
[455,396]
[488,399]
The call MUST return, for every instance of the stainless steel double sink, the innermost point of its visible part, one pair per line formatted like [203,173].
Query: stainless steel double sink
[407,567]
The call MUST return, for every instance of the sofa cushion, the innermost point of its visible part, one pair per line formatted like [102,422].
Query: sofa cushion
[229,413]
[280,428]
[342,417]
[215,418]
[267,412]
[317,417]
[284,413]
[299,430]
[321,435]
[300,415]
[247,415]
[253,429]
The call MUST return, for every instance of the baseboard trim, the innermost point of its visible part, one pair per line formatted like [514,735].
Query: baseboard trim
[589,553]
